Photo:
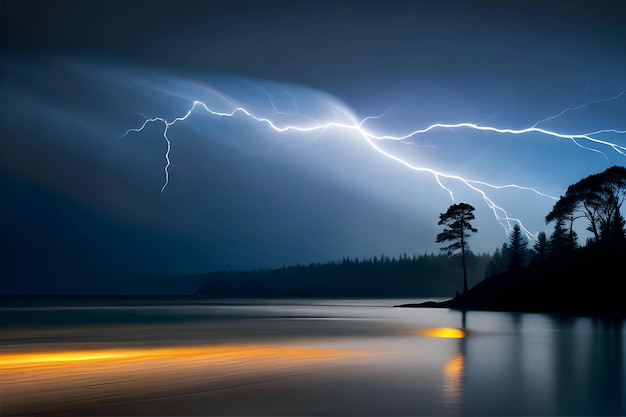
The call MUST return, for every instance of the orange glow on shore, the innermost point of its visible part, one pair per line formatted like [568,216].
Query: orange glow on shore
[442,332]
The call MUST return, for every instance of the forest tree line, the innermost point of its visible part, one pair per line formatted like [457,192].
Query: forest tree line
[425,275]
[596,199]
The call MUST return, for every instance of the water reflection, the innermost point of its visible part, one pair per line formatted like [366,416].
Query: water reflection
[452,388]
[305,357]
[543,364]
[34,382]
[221,354]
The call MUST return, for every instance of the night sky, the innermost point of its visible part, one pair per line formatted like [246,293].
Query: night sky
[84,207]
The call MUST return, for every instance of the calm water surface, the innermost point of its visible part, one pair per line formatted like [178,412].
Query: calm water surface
[303,357]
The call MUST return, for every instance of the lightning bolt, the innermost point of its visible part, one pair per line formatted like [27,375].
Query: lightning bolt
[573,106]
[373,139]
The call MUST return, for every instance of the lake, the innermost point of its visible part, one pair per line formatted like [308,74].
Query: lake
[177,356]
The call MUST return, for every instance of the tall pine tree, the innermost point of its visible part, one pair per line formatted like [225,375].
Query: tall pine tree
[517,248]
[457,221]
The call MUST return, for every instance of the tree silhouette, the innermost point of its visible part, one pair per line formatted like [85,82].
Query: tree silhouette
[597,198]
[562,239]
[541,247]
[517,248]
[457,221]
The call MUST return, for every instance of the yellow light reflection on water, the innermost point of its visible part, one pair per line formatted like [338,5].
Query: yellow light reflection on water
[224,352]
[442,332]
[33,382]
[454,367]
[453,372]
[17,359]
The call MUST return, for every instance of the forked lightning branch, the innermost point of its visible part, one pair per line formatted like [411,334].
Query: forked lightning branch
[590,141]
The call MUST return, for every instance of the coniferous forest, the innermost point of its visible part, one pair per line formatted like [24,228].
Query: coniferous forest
[426,275]
[555,273]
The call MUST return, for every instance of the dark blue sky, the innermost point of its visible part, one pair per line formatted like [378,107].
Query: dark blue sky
[82,209]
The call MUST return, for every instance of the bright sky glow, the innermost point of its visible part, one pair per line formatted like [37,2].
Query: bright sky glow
[590,141]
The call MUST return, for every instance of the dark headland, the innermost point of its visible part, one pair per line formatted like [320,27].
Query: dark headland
[589,280]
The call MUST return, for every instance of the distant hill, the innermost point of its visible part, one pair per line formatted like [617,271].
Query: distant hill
[589,280]
[417,276]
